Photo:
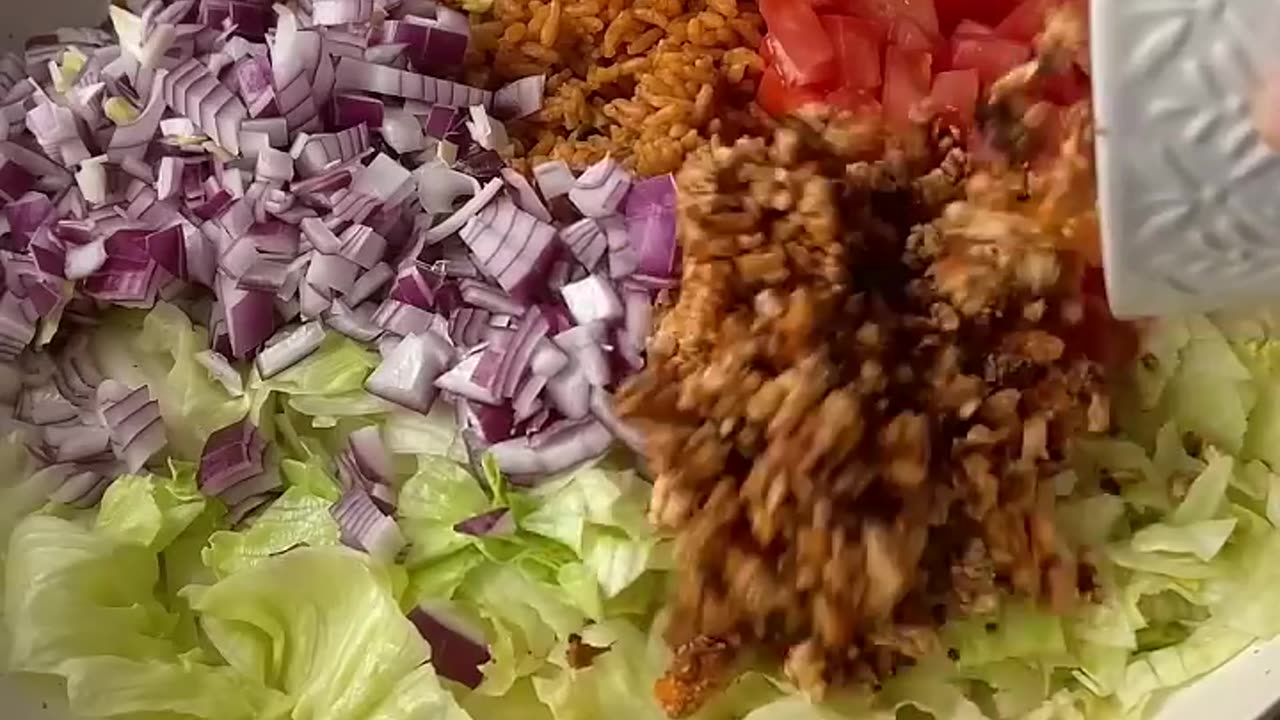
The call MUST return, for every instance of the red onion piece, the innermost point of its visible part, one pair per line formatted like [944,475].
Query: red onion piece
[513,246]
[600,189]
[592,299]
[363,246]
[407,374]
[365,527]
[524,195]
[651,226]
[520,98]
[555,449]
[355,74]
[221,370]
[356,323]
[496,522]
[290,347]
[231,456]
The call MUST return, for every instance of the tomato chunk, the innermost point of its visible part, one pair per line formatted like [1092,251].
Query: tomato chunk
[1067,88]
[907,34]
[1026,20]
[907,75]
[969,27]
[921,12]
[801,47]
[992,57]
[857,43]
[856,101]
[953,13]
[954,97]
[778,98]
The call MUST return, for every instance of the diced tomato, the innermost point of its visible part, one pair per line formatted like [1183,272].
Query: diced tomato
[857,43]
[921,12]
[954,96]
[969,27]
[1026,20]
[907,74]
[1067,88]
[766,49]
[857,101]
[992,57]
[907,34]
[779,99]
[1100,336]
[810,59]
[953,13]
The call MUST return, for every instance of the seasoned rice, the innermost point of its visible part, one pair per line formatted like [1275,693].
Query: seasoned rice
[646,81]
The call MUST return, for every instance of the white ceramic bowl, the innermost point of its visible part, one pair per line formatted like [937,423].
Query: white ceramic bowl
[1241,690]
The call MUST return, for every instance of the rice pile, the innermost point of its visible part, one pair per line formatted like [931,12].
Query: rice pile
[646,81]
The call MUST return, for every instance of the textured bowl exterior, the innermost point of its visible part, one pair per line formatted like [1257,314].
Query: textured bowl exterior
[1188,190]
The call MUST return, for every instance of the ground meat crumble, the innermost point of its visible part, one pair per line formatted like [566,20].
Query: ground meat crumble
[854,406]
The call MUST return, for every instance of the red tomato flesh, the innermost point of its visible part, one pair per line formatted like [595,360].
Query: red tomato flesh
[969,27]
[857,43]
[953,13]
[954,97]
[1067,88]
[800,39]
[907,75]
[779,99]
[907,34]
[856,101]
[921,12]
[1026,20]
[992,57]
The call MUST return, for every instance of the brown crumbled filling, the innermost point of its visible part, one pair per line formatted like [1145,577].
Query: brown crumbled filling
[854,407]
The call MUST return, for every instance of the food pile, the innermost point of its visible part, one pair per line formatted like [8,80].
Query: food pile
[854,416]
[394,359]
[644,81]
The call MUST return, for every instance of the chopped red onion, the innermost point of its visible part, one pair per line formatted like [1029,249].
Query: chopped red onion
[356,323]
[520,98]
[485,131]
[231,456]
[496,522]
[651,226]
[220,369]
[586,241]
[317,153]
[465,214]
[489,298]
[402,131]
[371,454]
[460,380]
[440,186]
[407,375]
[600,189]
[557,448]
[514,247]
[523,194]
[341,12]
[592,299]
[365,527]
[244,510]
[355,74]
[457,651]
[289,348]
[369,283]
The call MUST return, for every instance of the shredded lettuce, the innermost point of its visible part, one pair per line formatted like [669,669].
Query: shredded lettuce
[296,519]
[152,607]
[323,627]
